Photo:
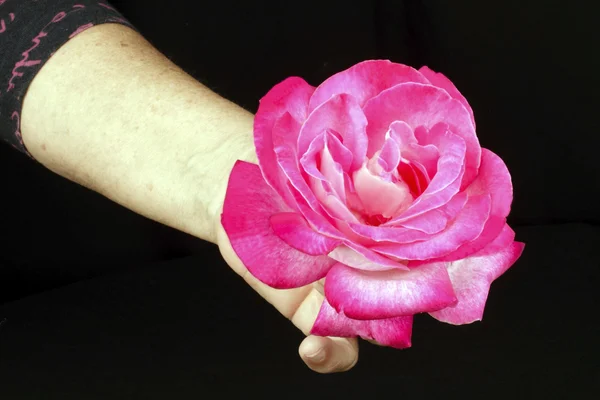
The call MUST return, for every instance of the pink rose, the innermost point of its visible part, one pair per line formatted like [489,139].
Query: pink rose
[375,181]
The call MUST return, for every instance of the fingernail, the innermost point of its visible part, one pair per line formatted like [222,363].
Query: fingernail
[318,356]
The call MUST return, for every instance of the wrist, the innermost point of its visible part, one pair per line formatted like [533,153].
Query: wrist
[208,176]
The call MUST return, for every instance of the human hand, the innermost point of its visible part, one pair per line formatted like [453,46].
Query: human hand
[301,306]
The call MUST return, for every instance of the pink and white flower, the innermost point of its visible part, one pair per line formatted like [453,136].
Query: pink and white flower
[375,181]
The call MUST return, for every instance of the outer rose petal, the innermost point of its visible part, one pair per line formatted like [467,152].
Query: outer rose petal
[292,96]
[472,277]
[343,115]
[422,105]
[440,80]
[293,229]
[365,80]
[494,179]
[391,332]
[386,294]
[249,203]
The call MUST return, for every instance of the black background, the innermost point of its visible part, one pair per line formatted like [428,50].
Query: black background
[102,303]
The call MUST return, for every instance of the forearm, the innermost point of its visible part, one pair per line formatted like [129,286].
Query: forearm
[110,112]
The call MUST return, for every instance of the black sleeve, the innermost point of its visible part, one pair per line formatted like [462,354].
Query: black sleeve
[30,32]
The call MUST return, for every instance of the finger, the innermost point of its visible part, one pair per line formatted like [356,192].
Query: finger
[301,306]
[327,354]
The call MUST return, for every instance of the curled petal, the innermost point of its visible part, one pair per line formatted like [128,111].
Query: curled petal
[249,204]
[447,181]
[293,229]
[338,152]
[392,332]
[402,133]
[333,173]
[365,80]
[343,115]
[390,155]
[422,105]
[331,202]
[386,294]
[425,155]
[308,161]
[284,140]
[472,277]
[290,96]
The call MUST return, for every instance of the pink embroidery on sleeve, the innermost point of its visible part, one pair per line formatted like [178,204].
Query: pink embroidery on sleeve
[117,19]
[3,24]
[25,61]
[106,6]
[2,2]
[58,17]
[78,6]
[15,115]
[81,29]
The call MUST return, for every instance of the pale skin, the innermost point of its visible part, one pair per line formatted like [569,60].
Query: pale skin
[109,112]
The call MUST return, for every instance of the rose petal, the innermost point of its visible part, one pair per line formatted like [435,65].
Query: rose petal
[396,235]
[330,201]
[390,155]
[392,332]
[446,182]
[284,142]
[333,172]
[380,197]
[468,225]
[249,203]
[441,81]
[494,179]
[425,155]
[436,220]
[357,256]
[321,223]
[416,229]
[422,105]
[293,229]
[472,277]
[343,115]
[308,161]
[291,96]
[339,152]
[365,80]
[386,294]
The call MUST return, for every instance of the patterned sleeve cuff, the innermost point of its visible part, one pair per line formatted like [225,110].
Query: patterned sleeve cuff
[30,32]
